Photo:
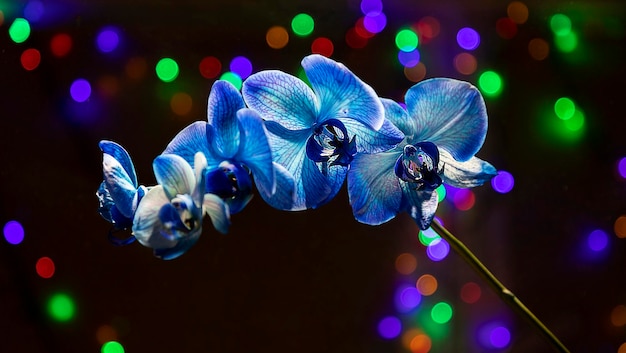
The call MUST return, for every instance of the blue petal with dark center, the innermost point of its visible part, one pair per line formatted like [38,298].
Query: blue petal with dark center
[418,165]
[232,183]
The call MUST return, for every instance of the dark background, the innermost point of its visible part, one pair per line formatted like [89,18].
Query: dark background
[313,281]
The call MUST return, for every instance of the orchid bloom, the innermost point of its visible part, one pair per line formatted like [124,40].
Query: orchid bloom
[234,141]
[445,124]
[169,217]
[316,132]
[119,194]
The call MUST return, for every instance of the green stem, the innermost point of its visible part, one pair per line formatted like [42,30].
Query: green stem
[497,286]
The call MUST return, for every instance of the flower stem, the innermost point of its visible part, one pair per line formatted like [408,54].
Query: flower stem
[497,286]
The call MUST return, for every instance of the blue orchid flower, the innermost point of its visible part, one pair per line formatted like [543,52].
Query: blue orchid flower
[119,194]
[169,217]
[234,141]
[445,124]
[316,132]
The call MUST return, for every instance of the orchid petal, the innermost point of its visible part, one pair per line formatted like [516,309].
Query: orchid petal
[181,247]
[284,196]
[420,204]
[399,117]
[471,173]
[289,150]
[334,178]
[371,141]
[280,97]
[288,146]
[190,140]
[200,166]
[373,189]
[119,185]
[223,103]
[312,187]
[255,151]
[449,113]
[147,226]
[119,153]
[217,210]
[341,93]
[175,174]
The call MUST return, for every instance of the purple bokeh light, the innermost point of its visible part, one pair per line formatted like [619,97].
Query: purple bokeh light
[503,182]
[597,240]
[371,6]
[409,58]
[13,232]
[500,337]
[375,22]
[108,39]
[33,11]
[407,298]
[80,90]
[241,66]
[389,327]
[494,335]
[438,250]
[621,167]
[468,38]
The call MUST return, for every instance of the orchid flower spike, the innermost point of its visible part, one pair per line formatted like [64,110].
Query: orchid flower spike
[445,124]
[316,132]
[169,217]
[234,141]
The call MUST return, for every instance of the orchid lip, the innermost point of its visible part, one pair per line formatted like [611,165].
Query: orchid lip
[331,145]
[229,181]
[178,217]
[418,164]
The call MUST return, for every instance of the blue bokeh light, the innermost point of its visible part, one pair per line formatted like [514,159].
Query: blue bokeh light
[33,11]
[597,240]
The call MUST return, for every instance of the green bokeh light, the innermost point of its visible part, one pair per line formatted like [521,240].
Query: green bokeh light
[441,193]
[566,42]
[302,75]
[302,24]
[406,40]
[576,122]
[560,24]
[441,312]
[557,132]
[427,236]
[564,108]
[112,347]
[435,331]
[19,30]
[232,78]
[167,69]
[490,83]
[61,307]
